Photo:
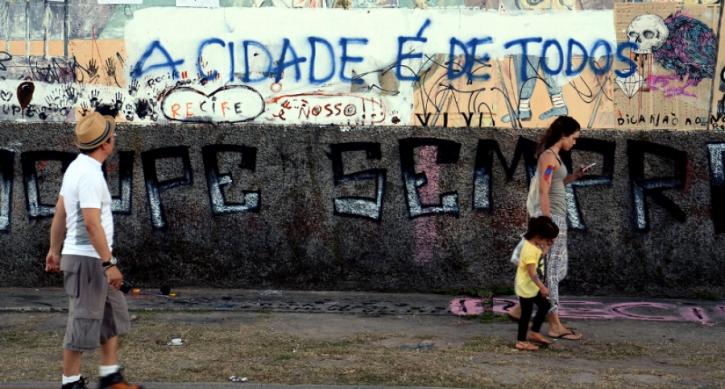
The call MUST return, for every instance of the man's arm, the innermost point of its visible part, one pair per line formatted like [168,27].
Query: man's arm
[57,233]
[97,236]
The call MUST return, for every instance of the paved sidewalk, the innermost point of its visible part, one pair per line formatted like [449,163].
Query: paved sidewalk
[367,303]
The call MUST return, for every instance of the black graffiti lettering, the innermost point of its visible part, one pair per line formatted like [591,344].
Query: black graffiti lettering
[482,171]
[717,185]
[7,170]
[448,152]
[122,203]
[154,187]
[216,180]
[28,161]
[56,70]
[356,206]
[468,118]
[4,57]
[653,187]
[423,122]
[605,179]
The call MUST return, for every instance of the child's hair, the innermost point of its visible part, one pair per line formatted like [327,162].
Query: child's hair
[542,227]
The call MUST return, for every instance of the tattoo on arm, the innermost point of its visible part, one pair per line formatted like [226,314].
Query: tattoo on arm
[548,172]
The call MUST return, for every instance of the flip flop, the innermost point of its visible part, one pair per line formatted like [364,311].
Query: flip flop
[541,342]
[564,336]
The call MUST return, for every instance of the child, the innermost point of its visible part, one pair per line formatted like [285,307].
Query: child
[538,239]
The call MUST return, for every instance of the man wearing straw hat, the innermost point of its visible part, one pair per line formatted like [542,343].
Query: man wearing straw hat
[83,227]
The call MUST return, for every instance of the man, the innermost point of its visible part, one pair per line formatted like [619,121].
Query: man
[98,313]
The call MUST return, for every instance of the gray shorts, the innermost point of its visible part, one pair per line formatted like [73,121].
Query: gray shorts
[96,312]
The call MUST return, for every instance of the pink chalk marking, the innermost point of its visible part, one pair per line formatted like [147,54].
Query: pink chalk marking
[720,309]
[626,310]
[502,305]
[696,314]
[593,310]
[466,306]
[426,231]
[586,310]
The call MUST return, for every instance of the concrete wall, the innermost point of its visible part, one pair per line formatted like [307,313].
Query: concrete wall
[357,144]
[333,209]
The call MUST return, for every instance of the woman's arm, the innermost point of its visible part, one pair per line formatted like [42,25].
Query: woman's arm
[545,170]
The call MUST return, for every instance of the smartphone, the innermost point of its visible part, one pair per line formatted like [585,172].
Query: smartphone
[126,287]
[591,165]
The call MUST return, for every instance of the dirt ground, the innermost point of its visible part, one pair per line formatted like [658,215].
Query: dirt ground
[297,348]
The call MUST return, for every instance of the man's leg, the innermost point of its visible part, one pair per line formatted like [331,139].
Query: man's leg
[71,362]
[109,352]
[71,366]
[110,372]
[75,339]
[116,321]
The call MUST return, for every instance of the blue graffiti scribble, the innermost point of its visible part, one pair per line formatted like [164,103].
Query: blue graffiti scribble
[689,49]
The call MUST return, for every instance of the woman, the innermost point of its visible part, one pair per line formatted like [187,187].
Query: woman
[547,196]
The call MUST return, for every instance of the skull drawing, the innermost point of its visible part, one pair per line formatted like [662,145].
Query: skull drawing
[648,32]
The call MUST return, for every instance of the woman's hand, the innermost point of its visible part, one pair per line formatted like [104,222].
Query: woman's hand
[578,173]
[544,291]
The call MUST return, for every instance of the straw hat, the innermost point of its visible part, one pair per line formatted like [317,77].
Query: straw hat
[94,129]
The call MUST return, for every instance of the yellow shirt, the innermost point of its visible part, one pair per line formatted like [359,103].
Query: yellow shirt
[530,255]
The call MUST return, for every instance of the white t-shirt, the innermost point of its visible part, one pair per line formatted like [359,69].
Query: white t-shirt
[85,187]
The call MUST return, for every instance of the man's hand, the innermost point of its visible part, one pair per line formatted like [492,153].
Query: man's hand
[52,262]
[114,276]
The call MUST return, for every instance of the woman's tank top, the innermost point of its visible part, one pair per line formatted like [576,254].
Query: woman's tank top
[557,191]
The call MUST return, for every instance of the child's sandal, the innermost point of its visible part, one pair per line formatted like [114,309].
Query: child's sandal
[526,346]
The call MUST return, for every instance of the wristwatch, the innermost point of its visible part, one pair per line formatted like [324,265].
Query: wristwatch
[110,263]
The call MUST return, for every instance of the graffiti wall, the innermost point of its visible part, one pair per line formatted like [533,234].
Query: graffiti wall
[507,63]
[367,144]
[400,208]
